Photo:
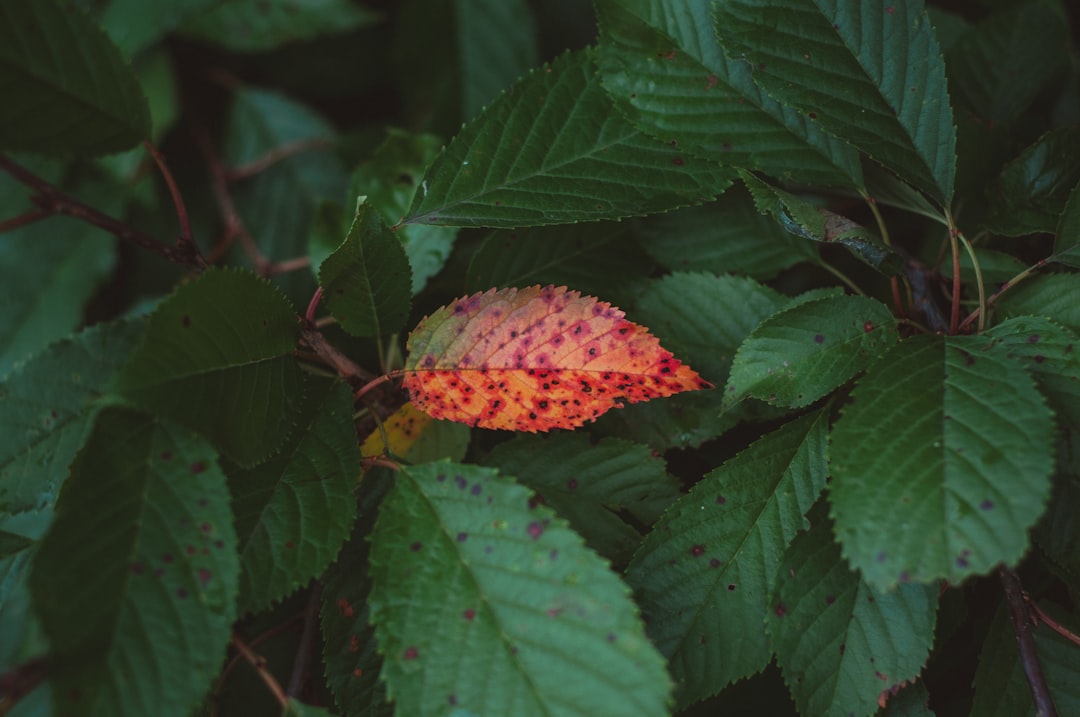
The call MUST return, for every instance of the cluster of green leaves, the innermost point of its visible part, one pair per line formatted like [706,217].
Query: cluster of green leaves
[860,221]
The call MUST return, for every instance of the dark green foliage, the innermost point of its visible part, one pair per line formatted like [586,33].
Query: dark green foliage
[860,222]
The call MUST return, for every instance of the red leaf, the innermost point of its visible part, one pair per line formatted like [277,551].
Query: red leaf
[535,359]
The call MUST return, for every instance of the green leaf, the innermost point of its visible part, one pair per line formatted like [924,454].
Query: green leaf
[48,272]
[869,73]
[704,573]
[554,151]
[367,281]
[663,65]
[296,708]
[261,25]
[805,220]
[1056,296]
[136,24]
[1002,690]
[1031,193]
[595,259]
[390,181]
[685,420]
[1058,533]
[962,473]
[278,205]
[725,236]
[911,701]
[205,363]
[839,642]
[294,511]
[1067,240]
[142,554]
[795,357]
[702,318]
[592,486]
[997,69]
[46,411]
[455,56]
[485,602]
[349,649]
[67,90]
[1046,349]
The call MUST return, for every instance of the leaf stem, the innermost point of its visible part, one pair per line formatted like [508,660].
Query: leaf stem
[186,239]
[259,663]
[375,383]
[1050,622]
[1029,656]
[50,200]
[1001,290]
[954,245]
[978,279]
[842,277]
[309,315]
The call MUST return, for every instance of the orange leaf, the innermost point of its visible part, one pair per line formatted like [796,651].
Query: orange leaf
[535,359]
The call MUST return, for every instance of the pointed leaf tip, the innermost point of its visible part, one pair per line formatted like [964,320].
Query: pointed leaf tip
[535,359]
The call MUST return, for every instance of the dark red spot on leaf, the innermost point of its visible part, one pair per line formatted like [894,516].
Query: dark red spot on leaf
[535,530]
[697,550]
[819,339]
[411,653]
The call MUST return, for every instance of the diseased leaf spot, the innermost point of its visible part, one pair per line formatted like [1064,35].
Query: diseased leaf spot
[166,455]
[868,326]
[572,484]
[198,467]
[204,575]
[720,500]
[881,557]
[462,537]
[460,482]
[469,614]
[697,550]
[137,568]
[411,653]
[345,608]
[714,563]
[185,321]
[167,558]
[535,530]
[819,339]
[986,505]
[830,599]
[415,547]
[182,593]
[781,610]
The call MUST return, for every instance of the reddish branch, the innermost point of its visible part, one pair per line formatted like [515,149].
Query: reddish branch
[273,157]
[20,682]
[50,200]
[221,176]
[1029,656]
[259,663]
[345,367]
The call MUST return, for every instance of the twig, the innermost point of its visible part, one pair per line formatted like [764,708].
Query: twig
[1029,656]
[954,314]
[186,237]
[22,220]
[375,383]
[307,641]
[341,363]
[309,315]
[51,200]
[274,156]
[1041,616]
[21,681]
[259,663]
